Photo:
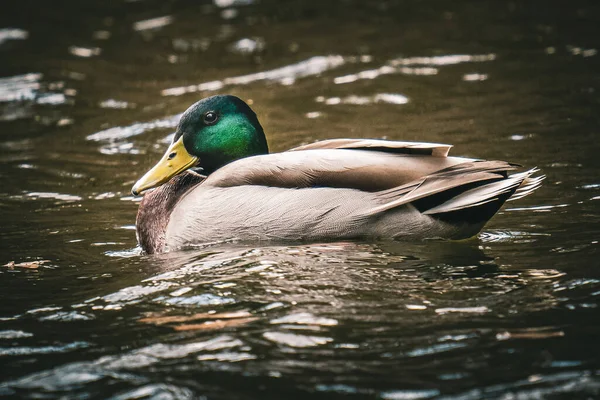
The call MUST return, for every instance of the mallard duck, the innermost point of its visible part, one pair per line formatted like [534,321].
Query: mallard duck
[217,181]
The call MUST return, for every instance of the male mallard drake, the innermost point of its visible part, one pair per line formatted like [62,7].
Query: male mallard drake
[333,189]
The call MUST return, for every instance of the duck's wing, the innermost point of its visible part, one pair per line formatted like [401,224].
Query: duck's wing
[397,147]
[359,168]
[461,186]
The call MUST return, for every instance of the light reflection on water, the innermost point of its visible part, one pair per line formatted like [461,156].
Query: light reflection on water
[85,107]
[286,75]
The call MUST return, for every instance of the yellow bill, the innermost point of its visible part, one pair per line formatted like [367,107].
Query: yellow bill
[175,160]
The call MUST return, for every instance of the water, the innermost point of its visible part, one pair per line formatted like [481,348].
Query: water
[89,93]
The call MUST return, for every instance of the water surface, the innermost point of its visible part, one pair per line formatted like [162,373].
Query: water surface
[89,95]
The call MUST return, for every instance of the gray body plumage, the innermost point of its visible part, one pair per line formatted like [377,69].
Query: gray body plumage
[266,213]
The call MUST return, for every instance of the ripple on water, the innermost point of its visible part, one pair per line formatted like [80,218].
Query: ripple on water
[227,357]
[85,52]
[27,351]
[285,75]
[7,34]
[248,46]
[536,387]
[51,195]
[124,132]
[339,388]
[405,65]
[127,253]
[116,104]
[73,375]
[153,23]
[153,353]
[305,319]
[67,316]
[160,391]
[133,294]
[581,51]
[590,186]
[205,299]
[409,394]
[475,77]
[469,310]
[20,87]
[193,268]
[384,70]
[14,334]
[523,136]
[502,236]
[115,140]
[539,208]
[296,340]
[232,3]
[435,349]
[389,98]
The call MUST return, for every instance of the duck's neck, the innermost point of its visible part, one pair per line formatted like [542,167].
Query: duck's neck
[156,207]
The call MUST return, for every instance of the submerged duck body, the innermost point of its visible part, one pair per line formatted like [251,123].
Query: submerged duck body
[328,190]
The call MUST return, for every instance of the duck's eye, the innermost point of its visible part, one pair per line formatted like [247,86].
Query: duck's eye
[210,117]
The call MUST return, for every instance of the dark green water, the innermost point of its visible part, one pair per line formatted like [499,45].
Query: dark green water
[88,95]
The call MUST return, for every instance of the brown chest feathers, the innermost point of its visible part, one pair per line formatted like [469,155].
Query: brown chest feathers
[156,207]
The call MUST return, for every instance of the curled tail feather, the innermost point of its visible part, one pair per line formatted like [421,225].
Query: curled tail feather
[528,185]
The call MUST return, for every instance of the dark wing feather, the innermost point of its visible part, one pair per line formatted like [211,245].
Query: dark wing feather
[457,187]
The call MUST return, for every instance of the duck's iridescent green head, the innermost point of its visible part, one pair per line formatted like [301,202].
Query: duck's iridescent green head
[211,133]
